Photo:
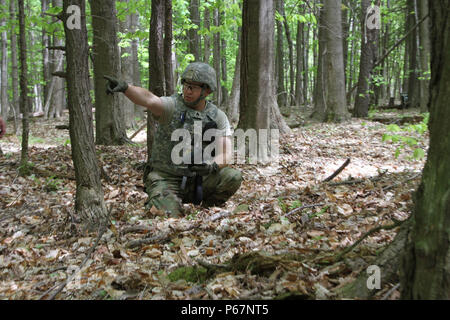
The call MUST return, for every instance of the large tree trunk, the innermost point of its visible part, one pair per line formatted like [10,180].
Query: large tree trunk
[89,194]
[367,60]
[426,264]
[257,100]
[336,110]
[109,114]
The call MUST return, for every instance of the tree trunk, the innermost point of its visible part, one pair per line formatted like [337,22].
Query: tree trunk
[168,37]
[14,68]
[194,39]
[4,68]
[57,100]
[233,103]
[279,61]
[290,95]
[413,81]
[109,114]
[216,59]
[336,110]
[299,65]
[257,100]
[320,88]
[156,64]
[89,194]
[425,272]
[46,73]
[24,107]
[134,25]
[206,38]
[366,62]
[126,66]
[425,48]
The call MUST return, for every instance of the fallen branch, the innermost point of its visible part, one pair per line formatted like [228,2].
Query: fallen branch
[346,163]
[166,236]
[303,207]
[60,287]
[396,224]
[139,130]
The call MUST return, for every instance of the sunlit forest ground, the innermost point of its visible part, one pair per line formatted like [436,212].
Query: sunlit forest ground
[267,242]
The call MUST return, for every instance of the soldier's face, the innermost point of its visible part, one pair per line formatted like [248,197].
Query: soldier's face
[193,90]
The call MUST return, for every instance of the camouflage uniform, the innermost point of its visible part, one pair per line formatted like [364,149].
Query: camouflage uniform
[163,180]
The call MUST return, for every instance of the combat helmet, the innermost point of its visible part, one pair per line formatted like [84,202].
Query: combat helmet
[200,72]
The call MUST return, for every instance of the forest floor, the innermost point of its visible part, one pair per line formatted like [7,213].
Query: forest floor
[255,247]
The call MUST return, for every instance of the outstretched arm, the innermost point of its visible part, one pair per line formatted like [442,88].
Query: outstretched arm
[137,95]
[145,98]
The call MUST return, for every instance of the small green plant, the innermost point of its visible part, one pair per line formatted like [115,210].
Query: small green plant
[282,205]
[295,204]
[52,183]
[407,141]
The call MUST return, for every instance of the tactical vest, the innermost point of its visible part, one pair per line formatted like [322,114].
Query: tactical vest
[183,117]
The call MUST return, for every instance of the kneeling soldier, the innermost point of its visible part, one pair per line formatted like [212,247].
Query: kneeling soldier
[168,185]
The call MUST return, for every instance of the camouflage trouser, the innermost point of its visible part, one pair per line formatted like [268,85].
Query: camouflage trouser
[164,190]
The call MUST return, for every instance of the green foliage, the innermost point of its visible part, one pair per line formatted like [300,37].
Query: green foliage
[407,141]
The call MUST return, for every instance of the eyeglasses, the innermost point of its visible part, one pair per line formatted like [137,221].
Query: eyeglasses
[191,87]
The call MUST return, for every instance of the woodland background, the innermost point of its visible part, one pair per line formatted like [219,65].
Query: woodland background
[334,86]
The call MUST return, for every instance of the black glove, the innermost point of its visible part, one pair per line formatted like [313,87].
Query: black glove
[115,85]
[204,169]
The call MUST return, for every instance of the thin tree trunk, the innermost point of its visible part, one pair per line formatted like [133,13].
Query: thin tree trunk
[168,37]
[46,76]
[14,68]
[156,63]
[299,65]
[290,96]
[206,38]
[4,69]
[233,103]
[216,59]
[194,39]
[279,61]
[24,107]
[425,48]
[89,202]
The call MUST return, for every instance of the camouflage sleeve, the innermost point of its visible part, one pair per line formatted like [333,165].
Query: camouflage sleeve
[169,108]
[223,125]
